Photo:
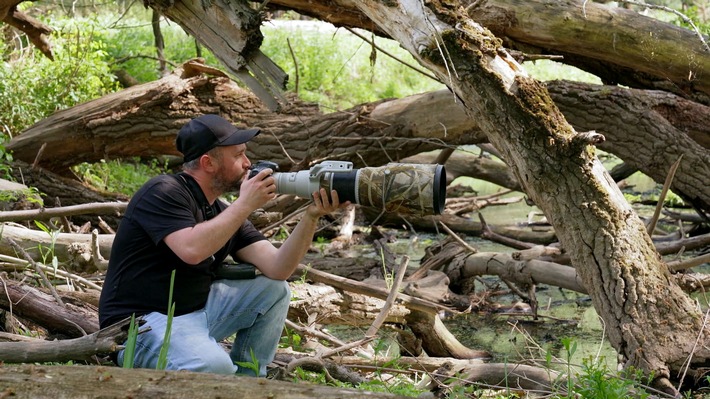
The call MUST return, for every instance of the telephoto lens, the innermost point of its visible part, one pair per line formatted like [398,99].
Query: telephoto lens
[404,188]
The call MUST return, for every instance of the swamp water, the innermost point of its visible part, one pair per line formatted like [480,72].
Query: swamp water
[563,315]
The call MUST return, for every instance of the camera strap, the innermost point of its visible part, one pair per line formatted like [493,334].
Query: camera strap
[208,211]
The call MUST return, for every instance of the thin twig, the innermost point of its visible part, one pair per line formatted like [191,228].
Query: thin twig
[394,57]
[394,291]
[58,272]
[391,297]
[286,218]
[458,239]
[295,65]
[695,345]
[666,186]
[283,148]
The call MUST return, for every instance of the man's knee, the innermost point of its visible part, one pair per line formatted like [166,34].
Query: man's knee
[279,291]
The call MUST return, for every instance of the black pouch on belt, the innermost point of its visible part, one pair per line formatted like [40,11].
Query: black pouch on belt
[236,271]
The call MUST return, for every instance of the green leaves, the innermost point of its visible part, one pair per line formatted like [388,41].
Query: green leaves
[33,87]
[163,357]
[130,350]
[253,365]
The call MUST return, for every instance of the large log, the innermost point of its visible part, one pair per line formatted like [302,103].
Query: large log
[617,44]
[88,133]
[143,120]
[74,319]
[89,382]
[85,348]
[649,130]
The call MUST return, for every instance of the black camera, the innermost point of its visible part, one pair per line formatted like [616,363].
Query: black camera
[396,187]
[261,165]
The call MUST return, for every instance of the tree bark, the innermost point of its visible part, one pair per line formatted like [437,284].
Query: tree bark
[84,348]
[650,321]
[142,121]
[88,382]
[619,45]
[36,31]
[236,43]
[72,320]
[649,130]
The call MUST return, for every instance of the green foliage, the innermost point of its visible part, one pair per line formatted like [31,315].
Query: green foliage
[570,348]
[291,339]
[338,70]
[396,386]
[632,198]
[130,350]
[130,42]
[673,200]
[118,176]
[33,87]
[48,253]
[253,365]
[31,195]
[597,381]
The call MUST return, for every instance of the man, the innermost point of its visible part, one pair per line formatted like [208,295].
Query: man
[176,222]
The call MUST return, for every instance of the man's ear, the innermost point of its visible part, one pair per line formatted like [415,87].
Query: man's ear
[207,163]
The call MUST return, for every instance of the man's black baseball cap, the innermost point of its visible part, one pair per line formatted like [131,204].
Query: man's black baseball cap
[207,132]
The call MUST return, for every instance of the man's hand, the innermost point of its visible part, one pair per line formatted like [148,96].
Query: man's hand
[323,205]
[257,191]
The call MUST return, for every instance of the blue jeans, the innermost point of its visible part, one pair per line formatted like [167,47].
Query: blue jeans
[255,310]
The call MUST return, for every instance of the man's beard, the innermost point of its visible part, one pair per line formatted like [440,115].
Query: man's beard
[222,184]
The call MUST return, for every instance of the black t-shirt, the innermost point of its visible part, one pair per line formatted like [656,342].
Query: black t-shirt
[140,266]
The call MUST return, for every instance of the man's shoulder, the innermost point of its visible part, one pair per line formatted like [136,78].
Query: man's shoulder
[164,181]
[161,186]
[162,192]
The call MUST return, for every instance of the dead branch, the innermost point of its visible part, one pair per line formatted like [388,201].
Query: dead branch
[97,208]
[102,342]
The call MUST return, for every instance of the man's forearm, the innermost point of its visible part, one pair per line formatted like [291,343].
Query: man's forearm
[295,247]
[193,245]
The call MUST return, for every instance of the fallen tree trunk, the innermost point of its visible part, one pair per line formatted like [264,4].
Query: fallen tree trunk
[523,272]
[649,130]
[449,371]
[89,382]
[647,53]
[144,120]
[74,319]
[661,120]
[37,32]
